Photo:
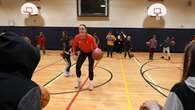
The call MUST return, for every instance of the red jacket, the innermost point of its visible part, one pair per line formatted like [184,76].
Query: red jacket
[41,40]
[85,45]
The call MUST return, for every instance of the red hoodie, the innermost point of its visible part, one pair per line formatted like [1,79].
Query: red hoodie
[86,45]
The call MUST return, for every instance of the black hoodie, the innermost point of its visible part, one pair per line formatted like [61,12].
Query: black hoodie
[18,60]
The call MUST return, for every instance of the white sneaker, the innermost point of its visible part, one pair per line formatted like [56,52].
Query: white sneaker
[66,73]
[90,86]
[78,84]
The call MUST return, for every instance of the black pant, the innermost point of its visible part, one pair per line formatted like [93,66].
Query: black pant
[120,48]
[67,60]
[80,61]
[109,50]
[41,47]
[127,50]
[151,53]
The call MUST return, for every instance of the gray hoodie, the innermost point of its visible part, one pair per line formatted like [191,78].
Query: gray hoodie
[173,102]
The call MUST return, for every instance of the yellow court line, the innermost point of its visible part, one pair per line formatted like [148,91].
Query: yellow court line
[126,89]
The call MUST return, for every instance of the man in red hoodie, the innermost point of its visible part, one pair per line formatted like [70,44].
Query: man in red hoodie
[41,42]
[86,45]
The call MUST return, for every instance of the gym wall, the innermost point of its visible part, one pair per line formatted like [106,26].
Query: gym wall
[129,16]
[123,13]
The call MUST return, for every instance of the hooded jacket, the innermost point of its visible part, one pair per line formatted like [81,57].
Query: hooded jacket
[182,96]
[18,60]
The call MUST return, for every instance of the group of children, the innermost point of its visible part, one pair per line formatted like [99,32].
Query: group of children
[152,44]
[125,44]
[120,43]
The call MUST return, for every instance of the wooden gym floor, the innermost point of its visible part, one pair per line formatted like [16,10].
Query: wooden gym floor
[120,85]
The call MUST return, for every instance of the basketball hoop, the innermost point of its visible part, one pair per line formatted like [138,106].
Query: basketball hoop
[157,10]
[29,9]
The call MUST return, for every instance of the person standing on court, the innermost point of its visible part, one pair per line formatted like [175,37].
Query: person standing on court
[120,39]
[86,43]
[152,43]
[166,48]
[66,45]
[63,38]
[127,46]
[41,42]
[110,43]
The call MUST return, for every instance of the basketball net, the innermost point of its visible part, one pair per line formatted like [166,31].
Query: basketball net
[29,14]
[157,17]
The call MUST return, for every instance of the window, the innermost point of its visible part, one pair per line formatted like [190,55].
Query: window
[92,8]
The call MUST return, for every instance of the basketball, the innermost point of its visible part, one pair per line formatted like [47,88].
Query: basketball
[45,97]
[172,43]
[131,55]
[62,54]
[97,54]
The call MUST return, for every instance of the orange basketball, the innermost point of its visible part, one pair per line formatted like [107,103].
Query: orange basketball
[131,55]
[97,54]
[62,54]
[45,97]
